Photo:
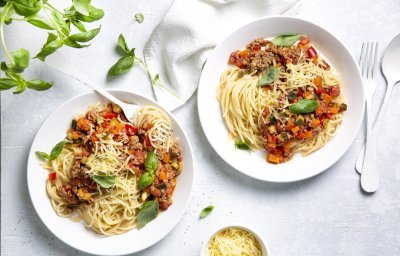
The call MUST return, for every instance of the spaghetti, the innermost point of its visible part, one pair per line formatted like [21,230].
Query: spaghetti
[98,175]
[283,99]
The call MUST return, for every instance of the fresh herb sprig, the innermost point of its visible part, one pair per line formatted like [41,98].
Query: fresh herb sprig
[42,14]
[128,61]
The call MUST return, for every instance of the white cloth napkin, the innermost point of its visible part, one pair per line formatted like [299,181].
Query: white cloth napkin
[181,43]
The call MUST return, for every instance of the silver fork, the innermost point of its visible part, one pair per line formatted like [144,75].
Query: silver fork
[368,60]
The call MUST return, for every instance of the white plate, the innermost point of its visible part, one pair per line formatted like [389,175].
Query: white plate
[253,163]
[75,234]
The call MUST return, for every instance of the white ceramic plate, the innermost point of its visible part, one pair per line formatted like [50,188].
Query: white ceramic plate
[75,234]
[253,163]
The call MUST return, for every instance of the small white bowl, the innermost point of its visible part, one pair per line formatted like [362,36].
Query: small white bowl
[264,247]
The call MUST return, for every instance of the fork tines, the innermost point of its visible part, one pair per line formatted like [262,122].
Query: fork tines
[368,59]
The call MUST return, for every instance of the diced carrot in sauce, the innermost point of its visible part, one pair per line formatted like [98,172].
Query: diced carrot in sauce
[244,53]
[286,147]
[75,135]
[318,81]
[333,110]
[314,59]
[308,95]
[326,98]
[295,129]
[273,159]
[304,40]
[166,158]
[315,123]
[305,135]
[290,125]
[162,176]
[110,115]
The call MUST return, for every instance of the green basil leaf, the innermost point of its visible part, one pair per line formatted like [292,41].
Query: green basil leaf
[303,106]
[59,19]
[285,40]
[51,37]
[269,76]
[56,151]
[151,163]
[7,83]
[40,22]
[105,181]
[71,43]
[21,60]
[20,80]
[94,14]
[79,25]
[122,66]
[39,85]
[26,7]
[139,17]
[82,6]
[146,179]
[242,145]
[148,213]
[206,211]
[8,21]
[42,155]
[85,36]
[49,48]
[122,44]
[132,52]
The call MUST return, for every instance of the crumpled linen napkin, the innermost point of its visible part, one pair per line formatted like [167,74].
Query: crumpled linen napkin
[181,43]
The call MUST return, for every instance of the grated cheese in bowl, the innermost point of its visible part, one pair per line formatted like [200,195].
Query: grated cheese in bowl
[235,241]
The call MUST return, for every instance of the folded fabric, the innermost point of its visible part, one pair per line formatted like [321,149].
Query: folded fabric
[181,43]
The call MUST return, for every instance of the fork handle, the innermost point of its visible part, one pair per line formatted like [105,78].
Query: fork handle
[378,122]
[61,64]
[369,175]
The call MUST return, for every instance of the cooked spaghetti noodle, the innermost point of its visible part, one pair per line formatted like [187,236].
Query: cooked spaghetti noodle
[260,116]
[97,175]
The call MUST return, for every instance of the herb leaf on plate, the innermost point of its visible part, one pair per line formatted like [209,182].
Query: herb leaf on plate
[285,40]
[269,76]
[148,213]
[139,17]
[105,181]
[239,144]
[206,211]
[303,106]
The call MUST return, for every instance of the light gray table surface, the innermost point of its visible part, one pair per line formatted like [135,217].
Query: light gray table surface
[324,215]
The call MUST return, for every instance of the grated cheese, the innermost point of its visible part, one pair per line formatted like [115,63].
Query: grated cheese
[234,242]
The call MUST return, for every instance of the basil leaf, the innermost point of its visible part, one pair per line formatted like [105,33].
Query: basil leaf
[55,152]
[7,83]
[71,43]
[285,40]
[40,22]
[79,25]
[269,76]
[122,66]
[132,52]
[105,181]
[148,213]
[206,211]
[26,7]
[49,48]
[59,19]
[82,6]
[139,17]
[241,145]
[39,85]
[122,44]
[85,36]
[42,155]
[21,87]
[145,180]
[51,37]
[303,106]
[94,14]
[21,60]
[151,163]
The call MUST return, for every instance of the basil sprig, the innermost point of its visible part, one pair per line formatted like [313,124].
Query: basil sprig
[151,165]
[303,106]
[239,144]
[269,76]
[139,17]
[285,40]
[55,152]
[128,61]
[43,15]
[105,181]
[206,211]
[147,213]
